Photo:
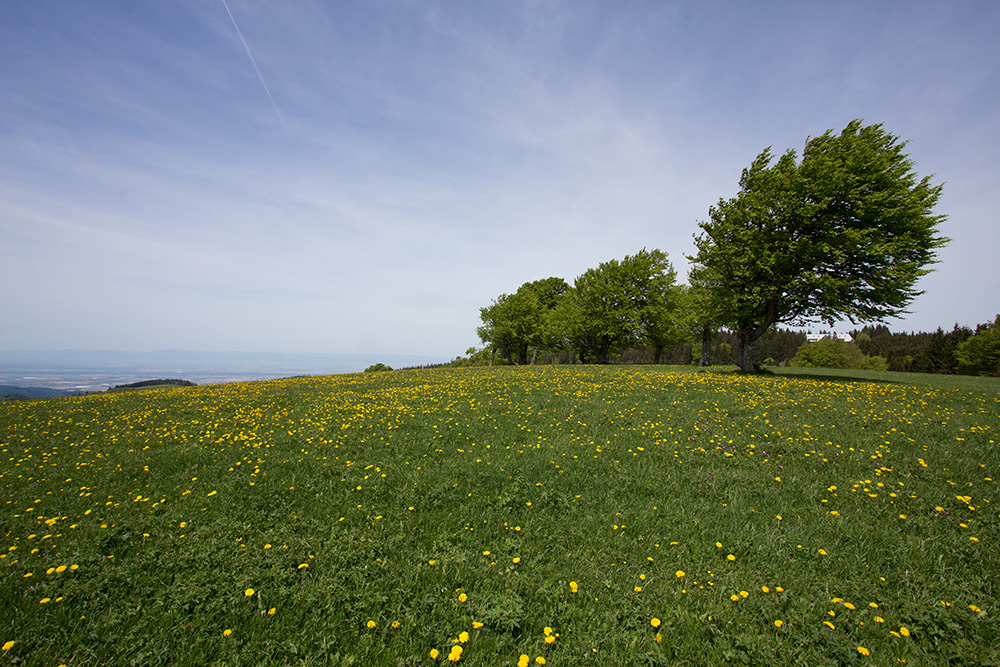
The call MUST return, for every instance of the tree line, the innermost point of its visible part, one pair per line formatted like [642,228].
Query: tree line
[841,233]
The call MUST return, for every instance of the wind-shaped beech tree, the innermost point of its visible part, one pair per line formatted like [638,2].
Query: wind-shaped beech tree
[843,233]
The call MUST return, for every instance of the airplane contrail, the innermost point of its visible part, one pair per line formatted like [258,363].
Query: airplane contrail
[253,62]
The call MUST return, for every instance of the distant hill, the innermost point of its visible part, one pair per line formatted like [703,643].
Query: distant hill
[33,392]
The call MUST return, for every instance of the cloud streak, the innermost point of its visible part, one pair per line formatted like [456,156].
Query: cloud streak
[253,61]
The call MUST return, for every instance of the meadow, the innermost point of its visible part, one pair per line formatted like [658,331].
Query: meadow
[560,515]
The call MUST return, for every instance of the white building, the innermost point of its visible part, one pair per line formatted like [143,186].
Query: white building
[813,337]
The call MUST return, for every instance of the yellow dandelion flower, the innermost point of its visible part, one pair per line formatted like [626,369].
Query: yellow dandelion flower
[765,589]
[734,597]
[302,565]
[904,631]
[44,600]
[829,625]
[863,651]
[879,619]
[463,597]
[744,594]
[540,660]
[523,661]
[516,560]
[272,611]
[731,557]
[655,622]
[477,625]
[659,638]
[434,654]
[227,632]
[370,624]
[778,624]
[679,573]
[849,605]
[573,587]
[822,552]
[974,608]
[637,589]
[248,592]
[550,639]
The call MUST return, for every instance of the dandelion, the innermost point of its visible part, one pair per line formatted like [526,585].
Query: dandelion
[395,625]
[849,605]
[974,608]
[822,552]
[637,589]
[765,589]
[476,625]
[434,654]
[550,639]
[516,560]
[904,631]
[8,645]
[463,597]
[734,597]
[455,654]
[302,565]
[778,624]
[731,557]
[248,592]
[829,625]
[863,651]
[655,622]
[879,619]
[540,660]
[370,624]
[679,573]
[659,638]
[227,632]
[272,611]
[523,660]
[432,562]
[573,587]
[744,594]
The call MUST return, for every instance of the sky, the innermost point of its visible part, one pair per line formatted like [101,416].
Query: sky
[364,176]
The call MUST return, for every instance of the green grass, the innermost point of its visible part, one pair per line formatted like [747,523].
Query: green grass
[432,503]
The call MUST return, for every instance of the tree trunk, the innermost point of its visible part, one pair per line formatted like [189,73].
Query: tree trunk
[657,351]
[706,347]
[493,353]
[744,350]
[534,355]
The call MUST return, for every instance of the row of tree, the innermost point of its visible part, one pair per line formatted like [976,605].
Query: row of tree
[843,233]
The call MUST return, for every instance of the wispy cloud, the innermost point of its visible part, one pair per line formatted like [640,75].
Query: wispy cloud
[433,156]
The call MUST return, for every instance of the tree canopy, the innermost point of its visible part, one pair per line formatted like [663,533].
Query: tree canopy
[843,233]
[621,303]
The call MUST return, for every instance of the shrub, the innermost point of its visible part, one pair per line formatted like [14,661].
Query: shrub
[835,353]
[376,368]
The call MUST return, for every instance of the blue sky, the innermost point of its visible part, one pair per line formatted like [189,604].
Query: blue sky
[394,166]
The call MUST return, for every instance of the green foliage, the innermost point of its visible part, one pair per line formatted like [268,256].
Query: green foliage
[843,233]
[920,352]
[620,304]
[980,354]
[835,353]
[516,323]
[378,368]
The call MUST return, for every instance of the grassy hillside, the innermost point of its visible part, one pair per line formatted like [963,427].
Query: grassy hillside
[557,515]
